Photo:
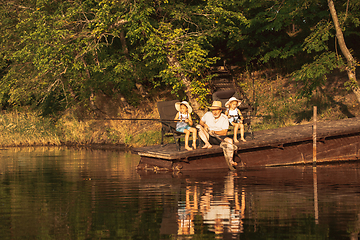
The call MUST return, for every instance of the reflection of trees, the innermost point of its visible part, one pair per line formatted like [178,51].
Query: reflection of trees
[56,193]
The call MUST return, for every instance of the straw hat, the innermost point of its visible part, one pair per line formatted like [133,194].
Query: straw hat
[216,105]
[227,104]
[177,106]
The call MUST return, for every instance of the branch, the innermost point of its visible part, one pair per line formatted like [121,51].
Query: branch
[193,34]
[19,6]
[49,90]
[277,11]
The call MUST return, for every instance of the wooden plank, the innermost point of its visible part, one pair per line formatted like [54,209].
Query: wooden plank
[267,138]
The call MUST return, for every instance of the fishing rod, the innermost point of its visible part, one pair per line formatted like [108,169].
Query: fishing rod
[139,119]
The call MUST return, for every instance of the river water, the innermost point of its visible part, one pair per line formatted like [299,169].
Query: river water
[61,193]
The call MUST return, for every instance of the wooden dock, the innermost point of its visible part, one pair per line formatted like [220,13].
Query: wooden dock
[336,141]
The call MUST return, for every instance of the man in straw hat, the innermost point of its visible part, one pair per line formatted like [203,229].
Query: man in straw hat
[214,126]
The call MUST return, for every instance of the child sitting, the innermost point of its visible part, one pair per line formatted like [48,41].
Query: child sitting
[235,117]
[183,114]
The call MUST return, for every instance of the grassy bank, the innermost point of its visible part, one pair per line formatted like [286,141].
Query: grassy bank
[27,128]
[276,101]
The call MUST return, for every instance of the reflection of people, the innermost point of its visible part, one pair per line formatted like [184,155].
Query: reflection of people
[187,211]
[235,117]
[214,126]
[238,213]
[221,212]
[184,110]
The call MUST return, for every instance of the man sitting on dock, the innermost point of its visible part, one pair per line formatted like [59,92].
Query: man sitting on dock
[213,129]
[214,126]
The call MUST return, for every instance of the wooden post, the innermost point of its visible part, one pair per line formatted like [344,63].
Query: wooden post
[314,135]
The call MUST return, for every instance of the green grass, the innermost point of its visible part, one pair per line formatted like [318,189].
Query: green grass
[18,128]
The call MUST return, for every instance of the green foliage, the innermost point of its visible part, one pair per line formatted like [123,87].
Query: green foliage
[319,37]
[181,54]
[65,51]
[57,54]
[351,84]
[313,75]
[200,89]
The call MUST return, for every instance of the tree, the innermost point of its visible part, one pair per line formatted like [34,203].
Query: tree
[59,53]
[351,63]
[66,51]
[180,42]
[56,54]
[322,57]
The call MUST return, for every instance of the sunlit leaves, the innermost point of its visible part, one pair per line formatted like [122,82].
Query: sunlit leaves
[63,42]
[182,46]
[320,35]
[313,75]
[72,48]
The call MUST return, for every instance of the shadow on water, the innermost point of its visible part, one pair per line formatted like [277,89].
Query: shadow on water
[60,193]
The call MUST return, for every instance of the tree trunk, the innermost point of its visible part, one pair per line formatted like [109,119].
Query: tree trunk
[173,62]
[138,84]
[351,68]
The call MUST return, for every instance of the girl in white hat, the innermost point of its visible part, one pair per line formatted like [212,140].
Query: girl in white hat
[235,117]
[184,109]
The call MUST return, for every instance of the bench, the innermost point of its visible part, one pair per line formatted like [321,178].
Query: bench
[167,112]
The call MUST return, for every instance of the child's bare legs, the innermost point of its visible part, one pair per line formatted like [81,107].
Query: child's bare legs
[236,126]
[187,134]
[242,132]
[194,132]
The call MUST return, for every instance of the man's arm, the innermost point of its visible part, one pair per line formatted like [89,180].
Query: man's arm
[203,124]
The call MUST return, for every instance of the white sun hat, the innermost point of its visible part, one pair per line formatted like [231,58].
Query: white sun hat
[227,104]
[177,106]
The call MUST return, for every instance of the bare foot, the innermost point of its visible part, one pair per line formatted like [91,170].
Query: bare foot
[236,141]
[243,139]
[207,146]
[233,163]
[188,148]
[194,146]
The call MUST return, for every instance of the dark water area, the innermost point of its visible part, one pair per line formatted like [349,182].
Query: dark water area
[61,193]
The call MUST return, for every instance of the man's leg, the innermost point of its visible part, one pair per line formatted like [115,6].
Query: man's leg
[204,135]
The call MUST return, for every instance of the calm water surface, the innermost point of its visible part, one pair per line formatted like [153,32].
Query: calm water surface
[60,193]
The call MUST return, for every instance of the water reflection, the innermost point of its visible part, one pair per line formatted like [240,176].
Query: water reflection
[280,203]
[223,212]
[59,193]
[316,204]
